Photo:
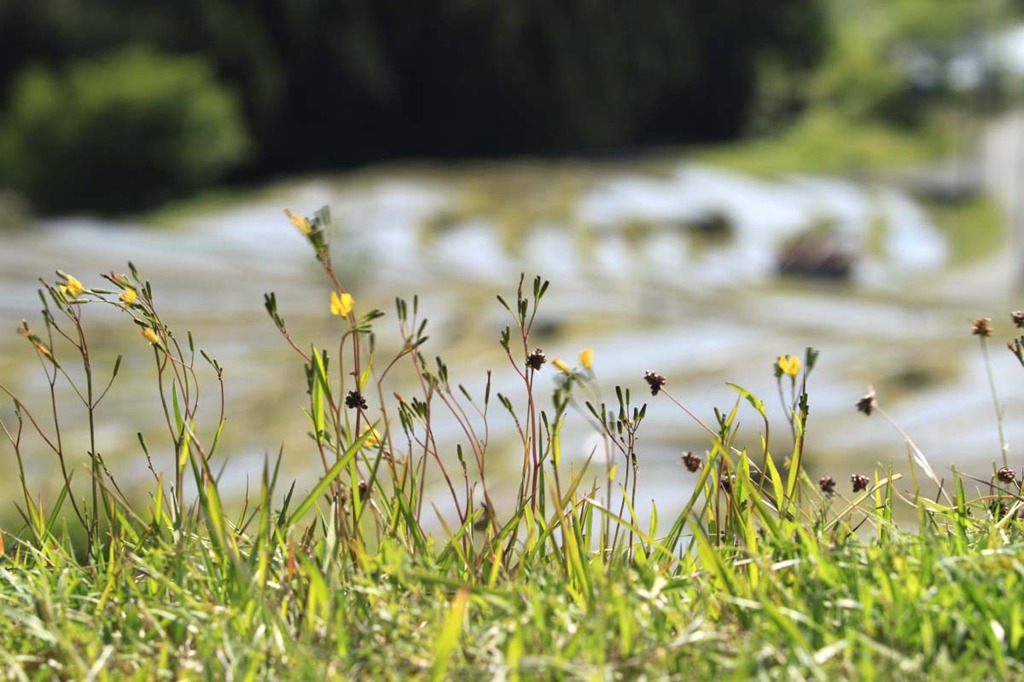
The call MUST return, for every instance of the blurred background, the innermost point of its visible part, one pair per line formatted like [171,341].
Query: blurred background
[707,185]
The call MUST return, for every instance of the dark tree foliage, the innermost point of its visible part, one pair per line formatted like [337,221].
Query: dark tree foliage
[331,83]
[119,132]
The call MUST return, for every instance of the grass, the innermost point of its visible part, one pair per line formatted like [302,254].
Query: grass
[975,227]
[825,142]
[764,574]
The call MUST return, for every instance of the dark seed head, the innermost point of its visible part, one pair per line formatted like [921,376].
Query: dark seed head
[982,327]
[536,359]
[867,403]
[1006,475]
[655,381]
[859,482]
[692,461]
[354,399]
[827,485]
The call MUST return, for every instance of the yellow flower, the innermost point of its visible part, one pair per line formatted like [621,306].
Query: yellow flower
[560,364]
[73,288]
[586,358]
[150,335]
[373,438]
[299,222]
[129,295]
[341,305]
[789,364]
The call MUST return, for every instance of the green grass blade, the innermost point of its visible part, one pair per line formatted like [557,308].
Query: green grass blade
[324,483]
[450,635]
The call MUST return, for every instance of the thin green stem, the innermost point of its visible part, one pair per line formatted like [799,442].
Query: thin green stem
[1004,447]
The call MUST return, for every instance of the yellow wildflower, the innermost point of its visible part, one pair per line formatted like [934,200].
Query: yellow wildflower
[789,364]
[150,335]
[586,358]
[128,296]
[373,437]
[73,288]
[560,364]
[341,305]
[302,224]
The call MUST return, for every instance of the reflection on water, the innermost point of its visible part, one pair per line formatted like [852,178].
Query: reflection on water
[674,272]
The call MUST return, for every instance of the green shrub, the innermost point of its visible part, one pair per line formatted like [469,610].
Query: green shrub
[120,132]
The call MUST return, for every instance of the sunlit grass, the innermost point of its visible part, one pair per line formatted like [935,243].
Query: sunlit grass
[825,143]
[975,226]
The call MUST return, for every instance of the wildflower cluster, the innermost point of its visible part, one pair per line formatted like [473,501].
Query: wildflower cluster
[64,343]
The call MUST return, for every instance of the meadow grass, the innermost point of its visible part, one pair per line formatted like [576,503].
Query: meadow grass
[764,573]
[826,142]
[975,227]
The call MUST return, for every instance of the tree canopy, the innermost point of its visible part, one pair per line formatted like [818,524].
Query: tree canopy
[331,84]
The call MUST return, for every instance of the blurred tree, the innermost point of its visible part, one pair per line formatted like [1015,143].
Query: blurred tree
[119,132]
[475,76]
[330,83]
[888,59]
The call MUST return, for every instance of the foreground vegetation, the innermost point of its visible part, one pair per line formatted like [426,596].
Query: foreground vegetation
[405,560]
